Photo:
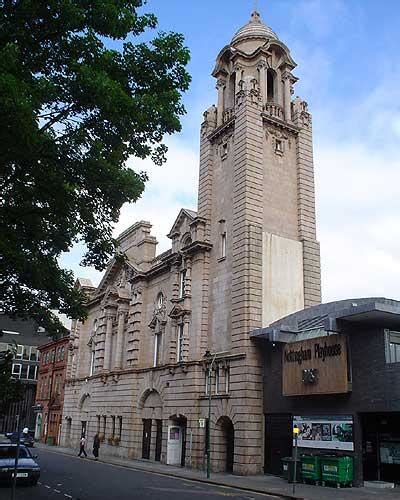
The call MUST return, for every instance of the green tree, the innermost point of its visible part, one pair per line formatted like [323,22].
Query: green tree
[11,390]
[77,99]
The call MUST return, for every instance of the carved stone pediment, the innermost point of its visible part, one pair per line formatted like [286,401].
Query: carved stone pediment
[158,321]
[178,311]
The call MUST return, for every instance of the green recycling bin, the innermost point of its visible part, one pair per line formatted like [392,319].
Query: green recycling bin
[337,470]
[50,440]
[288,469]
[310,468]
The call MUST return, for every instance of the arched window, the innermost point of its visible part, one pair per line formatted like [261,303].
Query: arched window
[160,300]
[232,91]
[271,85]
[186,240]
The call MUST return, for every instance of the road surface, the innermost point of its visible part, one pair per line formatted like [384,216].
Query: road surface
[68,477]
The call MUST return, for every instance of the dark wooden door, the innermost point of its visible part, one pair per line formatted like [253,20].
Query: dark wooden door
[230,446]
[158,440]
[278,441]
[183,455]
[146,438]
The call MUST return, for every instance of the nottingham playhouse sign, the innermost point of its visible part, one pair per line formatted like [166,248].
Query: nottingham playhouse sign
[316,366]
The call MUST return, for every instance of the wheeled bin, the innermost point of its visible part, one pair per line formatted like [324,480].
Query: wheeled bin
[288,469]
[337,470]
[310,468]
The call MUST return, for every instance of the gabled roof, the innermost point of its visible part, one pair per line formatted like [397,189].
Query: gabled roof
[113,269]
[184,213]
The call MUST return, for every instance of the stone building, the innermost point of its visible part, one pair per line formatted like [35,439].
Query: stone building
[137,371]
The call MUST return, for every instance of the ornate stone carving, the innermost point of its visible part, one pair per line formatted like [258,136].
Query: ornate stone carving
[279,140]
[305,116]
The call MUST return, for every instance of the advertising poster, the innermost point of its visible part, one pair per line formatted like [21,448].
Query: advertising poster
[333,433]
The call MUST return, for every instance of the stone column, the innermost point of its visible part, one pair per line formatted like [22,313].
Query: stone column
[263,81]
[134,327]
[120,339]
[287,97]
[220,108]
[107,345]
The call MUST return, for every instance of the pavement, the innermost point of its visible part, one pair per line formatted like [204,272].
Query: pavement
[256,485]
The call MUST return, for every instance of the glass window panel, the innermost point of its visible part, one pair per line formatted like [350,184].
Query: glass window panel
[24,371]
[34,353]
[20,349]
[26,351]
[16,370]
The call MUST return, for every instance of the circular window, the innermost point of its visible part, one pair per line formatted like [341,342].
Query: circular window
[160,300]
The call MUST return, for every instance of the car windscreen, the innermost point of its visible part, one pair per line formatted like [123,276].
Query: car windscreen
[10,452]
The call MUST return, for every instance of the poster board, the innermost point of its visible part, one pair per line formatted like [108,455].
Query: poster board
[329,433]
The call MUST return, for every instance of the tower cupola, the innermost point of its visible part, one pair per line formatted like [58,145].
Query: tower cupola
[255,29]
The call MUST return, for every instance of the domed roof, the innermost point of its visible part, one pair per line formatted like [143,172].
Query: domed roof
[255,28]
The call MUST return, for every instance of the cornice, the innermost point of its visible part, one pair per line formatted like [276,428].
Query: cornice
[280,123]
[221,129]
[166,366]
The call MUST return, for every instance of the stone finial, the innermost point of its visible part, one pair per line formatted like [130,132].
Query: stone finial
[255,17]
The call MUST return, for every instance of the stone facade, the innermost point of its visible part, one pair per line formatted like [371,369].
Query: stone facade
[249,255]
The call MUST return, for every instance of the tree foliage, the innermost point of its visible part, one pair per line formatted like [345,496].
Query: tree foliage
[77,99]
[11,390]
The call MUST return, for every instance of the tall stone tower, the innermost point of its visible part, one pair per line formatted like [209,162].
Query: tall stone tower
[256,194]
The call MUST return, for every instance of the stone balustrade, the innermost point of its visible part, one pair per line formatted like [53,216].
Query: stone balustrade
[274,110]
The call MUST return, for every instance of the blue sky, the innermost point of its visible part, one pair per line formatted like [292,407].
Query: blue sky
[347,53]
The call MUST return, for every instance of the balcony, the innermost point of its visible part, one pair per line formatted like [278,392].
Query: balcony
[274,110]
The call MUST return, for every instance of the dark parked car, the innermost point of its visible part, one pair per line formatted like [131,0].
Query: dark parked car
[28,470]
[25,439]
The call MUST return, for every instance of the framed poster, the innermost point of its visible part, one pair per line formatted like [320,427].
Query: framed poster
[331,433]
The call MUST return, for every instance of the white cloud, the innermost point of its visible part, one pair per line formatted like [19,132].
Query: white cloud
[170,187]
[357,188]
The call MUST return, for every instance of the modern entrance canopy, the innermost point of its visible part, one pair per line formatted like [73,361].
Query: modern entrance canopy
[324,319]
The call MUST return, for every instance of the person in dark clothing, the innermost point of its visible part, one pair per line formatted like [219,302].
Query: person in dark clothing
[82,445]
[96,446]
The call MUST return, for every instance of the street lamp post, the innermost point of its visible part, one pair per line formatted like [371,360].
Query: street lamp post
[295,434]
[210,359]
[14,481]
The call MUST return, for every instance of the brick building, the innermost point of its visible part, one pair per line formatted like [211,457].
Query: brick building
[137,369]
[50,390]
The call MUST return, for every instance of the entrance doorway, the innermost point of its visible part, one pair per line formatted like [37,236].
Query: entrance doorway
[158,440]
[278,441]
[176,444]
[224,446]
[83,428]
[381,446]
[146,442]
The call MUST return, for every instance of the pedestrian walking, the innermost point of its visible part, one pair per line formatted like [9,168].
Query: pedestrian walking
[82,445]
[96,446]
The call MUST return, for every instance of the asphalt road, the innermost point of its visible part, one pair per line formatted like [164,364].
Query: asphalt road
[67,477]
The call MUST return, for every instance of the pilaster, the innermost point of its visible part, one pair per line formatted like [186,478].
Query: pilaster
[247,218]
[306,204]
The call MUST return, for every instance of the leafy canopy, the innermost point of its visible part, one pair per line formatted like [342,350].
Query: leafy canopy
[72,110]
[11,390]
